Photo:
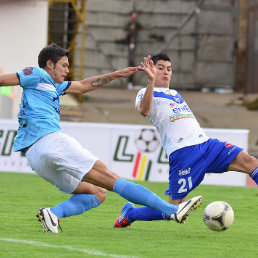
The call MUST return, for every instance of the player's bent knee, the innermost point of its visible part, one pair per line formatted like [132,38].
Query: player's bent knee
[250,162]
[254,159]
[101,195]
[243,163]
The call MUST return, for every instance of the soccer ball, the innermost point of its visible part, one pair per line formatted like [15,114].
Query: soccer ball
[147,140]
[218,216]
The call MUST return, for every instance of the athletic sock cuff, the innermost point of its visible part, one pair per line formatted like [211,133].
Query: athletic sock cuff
[254,173]
[164,216]
[95,201]
[119,185]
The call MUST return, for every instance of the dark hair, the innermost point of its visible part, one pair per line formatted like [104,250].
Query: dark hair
[160,56]
[51,52]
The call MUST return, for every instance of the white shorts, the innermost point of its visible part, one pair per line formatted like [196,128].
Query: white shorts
[61,160]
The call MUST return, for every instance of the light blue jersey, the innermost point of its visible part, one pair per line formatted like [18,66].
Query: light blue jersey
[39,109]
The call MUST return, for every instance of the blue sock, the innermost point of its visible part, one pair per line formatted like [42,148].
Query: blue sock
[76,204]
[140,195]
[144,213]
[254,175]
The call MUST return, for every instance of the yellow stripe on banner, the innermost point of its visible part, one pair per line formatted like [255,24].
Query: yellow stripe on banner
[142,167]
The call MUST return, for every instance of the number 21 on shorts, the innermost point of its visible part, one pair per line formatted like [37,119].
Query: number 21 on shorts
[186,183]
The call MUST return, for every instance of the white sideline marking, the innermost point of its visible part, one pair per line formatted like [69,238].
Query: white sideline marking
[69,248]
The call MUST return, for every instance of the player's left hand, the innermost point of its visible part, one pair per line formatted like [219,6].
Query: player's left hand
[148,67]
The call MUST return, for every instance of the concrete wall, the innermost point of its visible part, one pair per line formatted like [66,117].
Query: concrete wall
[203,53]
[23,27]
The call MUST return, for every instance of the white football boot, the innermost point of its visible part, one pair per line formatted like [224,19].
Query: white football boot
[184,208]
[48,220]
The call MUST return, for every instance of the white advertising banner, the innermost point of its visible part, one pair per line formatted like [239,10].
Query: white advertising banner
[132,151]
[11,161]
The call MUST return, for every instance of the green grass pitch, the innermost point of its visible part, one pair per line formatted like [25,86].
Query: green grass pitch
[92,234]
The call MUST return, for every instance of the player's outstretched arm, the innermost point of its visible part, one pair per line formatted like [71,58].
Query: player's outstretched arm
[144,107]
[9,80]
[96,82]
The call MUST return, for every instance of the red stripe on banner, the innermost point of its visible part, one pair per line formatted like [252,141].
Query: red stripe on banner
[136,165]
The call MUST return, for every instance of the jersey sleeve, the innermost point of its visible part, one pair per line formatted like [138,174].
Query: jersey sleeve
[62,87]
[28,77]
[139,96]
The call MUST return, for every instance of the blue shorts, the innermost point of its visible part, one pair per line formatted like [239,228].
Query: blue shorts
[188,166]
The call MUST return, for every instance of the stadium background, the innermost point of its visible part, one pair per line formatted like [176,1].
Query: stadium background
[226,33]
[213,45]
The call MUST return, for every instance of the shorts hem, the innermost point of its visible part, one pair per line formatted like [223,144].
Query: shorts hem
[176,197]
[233,156]
[90,167]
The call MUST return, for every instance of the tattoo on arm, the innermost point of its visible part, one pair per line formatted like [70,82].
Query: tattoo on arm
[100,81]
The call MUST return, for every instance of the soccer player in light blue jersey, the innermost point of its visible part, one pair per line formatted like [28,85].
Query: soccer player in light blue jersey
[60,159]
[191,152]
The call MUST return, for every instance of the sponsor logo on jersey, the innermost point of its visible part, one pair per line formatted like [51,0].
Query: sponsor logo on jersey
[178,99]
[180,112]
[228,145]
[28,70]
[232,149]
[183,108]
[180,116]
[184,172]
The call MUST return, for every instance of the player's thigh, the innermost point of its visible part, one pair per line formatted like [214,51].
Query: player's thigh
[101,176]
[243,163]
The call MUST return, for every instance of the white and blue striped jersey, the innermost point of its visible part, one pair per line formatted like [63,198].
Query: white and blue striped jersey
[39,113]
[173,120]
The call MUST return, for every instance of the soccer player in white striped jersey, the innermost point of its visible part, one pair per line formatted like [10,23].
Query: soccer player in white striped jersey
[191,152]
